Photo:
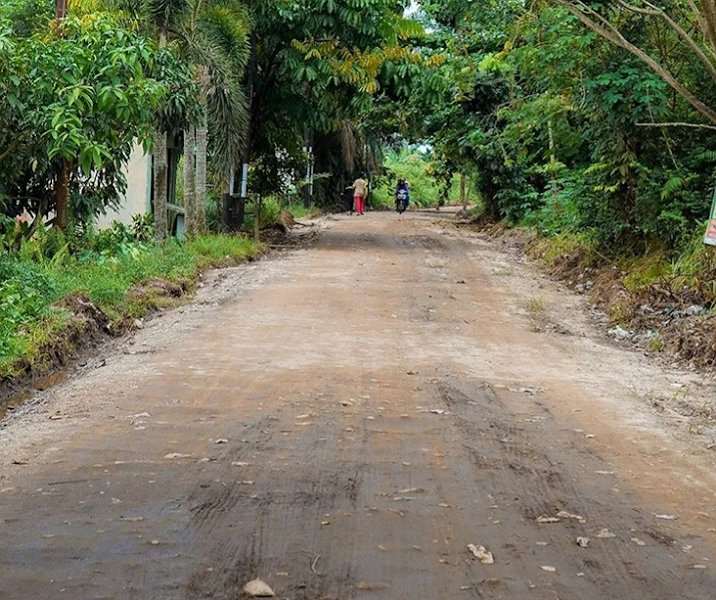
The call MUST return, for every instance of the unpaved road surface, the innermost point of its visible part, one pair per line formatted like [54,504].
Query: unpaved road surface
[343,420]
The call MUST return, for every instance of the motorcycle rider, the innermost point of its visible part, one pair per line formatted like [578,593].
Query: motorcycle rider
[402,191]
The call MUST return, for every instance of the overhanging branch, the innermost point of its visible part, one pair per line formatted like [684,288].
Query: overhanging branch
[602,26]
[677,124]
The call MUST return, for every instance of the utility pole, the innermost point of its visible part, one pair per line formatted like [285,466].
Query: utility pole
[463,191]
[308,148]
[250,92]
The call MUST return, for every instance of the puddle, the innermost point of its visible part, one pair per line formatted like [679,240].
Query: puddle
[14,401]
[42,384]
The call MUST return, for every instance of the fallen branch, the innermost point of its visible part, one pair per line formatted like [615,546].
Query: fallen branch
[677,124]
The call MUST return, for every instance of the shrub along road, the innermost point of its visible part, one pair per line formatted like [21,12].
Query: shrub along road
[344,420]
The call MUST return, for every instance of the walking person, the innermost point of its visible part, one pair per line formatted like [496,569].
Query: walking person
[360,192]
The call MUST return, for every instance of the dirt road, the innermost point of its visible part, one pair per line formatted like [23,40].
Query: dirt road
[342,421]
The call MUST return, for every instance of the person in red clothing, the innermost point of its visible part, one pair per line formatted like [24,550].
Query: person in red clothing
[360,191]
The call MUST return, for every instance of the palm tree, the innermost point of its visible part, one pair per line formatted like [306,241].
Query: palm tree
[160,169]
[163,15]
[215,41]
[212,36]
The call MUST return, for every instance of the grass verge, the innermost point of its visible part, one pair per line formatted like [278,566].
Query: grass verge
[50,307]
[667,300]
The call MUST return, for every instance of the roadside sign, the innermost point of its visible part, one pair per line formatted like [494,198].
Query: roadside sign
[710,237]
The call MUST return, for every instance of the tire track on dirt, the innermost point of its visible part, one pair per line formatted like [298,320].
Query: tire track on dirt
[538,480]
[271,522]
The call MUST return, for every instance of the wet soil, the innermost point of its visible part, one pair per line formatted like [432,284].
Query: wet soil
[343,420]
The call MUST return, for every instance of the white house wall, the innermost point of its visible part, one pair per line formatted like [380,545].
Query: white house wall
[137,199]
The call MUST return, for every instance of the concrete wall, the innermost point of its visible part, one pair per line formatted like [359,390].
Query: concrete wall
[137,199]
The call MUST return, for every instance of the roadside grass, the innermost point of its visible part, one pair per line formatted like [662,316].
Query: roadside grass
[667,295]
[536,307]
[655,343]
[38,323]
[273,212]
[299,211]
[578,248]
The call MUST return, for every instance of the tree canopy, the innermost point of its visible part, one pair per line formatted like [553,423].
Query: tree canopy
[572,116]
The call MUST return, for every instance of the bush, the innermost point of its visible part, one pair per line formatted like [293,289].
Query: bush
[299,211]
[270,212]
[24,294]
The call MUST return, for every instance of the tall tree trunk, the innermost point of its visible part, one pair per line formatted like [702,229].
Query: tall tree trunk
[463,191]
[552,161]
[202,142]
[189,180]
[160,186]
[160,173]
[202,135]
[62,193]
[60,12]
[62,185]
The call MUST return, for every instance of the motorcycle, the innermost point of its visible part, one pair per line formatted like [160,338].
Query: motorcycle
[401,201]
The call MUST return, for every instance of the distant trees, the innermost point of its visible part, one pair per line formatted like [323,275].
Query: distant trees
[211,37]
[319,70]
[601,131]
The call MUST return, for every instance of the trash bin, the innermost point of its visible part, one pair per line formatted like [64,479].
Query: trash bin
[348,198]
[234,211]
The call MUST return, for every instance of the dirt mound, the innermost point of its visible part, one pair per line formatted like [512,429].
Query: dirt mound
[283,224]
[85,327]
[482,222]
[287,221]
[153,288]
[693,339]
[86,312]
[288,233]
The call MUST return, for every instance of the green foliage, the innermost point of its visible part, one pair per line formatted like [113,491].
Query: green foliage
[322,68]
[299,211]
[655,343]
[553,249]
[547,113]
[143,228]
[24,290]
[216,250]
[270,212]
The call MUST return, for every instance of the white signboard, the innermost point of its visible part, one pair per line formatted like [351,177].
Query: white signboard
[710,237]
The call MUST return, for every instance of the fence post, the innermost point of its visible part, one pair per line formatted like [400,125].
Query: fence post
[257,217]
